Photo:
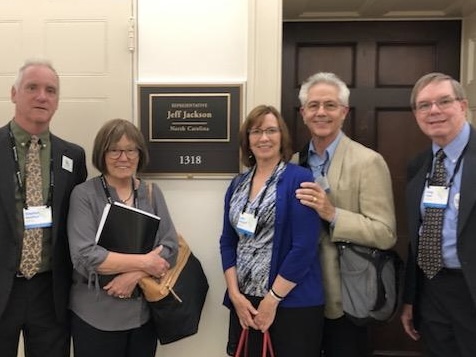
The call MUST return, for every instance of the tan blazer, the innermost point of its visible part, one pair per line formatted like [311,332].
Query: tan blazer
[361,191]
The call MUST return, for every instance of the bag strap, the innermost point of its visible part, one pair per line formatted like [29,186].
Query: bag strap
[149,196]
[378,258]
[267,345]
[242,344]
[182,257]
[242,349]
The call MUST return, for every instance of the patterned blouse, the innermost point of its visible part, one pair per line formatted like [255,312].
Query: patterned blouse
[254,251]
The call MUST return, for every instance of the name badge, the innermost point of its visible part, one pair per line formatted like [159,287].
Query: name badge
[37,217]
[247,224]
[436,196]
[321,180]
[67,163]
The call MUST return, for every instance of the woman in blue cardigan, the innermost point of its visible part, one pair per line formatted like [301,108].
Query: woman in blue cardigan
[269,245]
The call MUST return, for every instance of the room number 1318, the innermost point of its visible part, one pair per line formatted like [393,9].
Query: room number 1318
[190,160]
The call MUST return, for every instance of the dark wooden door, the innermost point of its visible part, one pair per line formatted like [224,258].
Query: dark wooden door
[380,62]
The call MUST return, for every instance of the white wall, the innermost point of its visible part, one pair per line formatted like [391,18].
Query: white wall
[468,61]
[199,42]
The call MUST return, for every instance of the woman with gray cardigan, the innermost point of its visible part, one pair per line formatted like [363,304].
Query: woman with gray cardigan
[112,320]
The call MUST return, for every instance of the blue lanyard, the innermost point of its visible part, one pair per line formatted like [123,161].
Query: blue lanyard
[455,171]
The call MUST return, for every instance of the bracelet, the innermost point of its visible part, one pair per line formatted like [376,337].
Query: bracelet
[275,296]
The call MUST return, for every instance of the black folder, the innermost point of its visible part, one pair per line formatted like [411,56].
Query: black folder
[125,229]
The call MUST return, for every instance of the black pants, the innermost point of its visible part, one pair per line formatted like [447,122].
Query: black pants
[448,316]
[30,309]
[91,342]
[294,332]
[342,338]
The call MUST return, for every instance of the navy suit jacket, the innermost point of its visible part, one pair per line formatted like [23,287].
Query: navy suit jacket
[466,234]
[10,250]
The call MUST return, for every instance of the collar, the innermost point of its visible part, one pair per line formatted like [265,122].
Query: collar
[22,137]
[330,150]
[454,149]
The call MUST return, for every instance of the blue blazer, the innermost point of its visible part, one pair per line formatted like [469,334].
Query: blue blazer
[295,242]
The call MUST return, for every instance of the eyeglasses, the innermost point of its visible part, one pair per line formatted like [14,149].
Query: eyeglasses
[329,106]
[116,153]
[442,103]
[257,132]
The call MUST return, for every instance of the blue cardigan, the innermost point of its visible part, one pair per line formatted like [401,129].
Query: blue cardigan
[295,243]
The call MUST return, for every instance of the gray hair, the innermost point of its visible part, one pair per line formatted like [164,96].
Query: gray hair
[33,62]
[436,77]
[328,78]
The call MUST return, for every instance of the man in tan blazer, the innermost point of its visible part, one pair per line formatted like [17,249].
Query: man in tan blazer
[352,194]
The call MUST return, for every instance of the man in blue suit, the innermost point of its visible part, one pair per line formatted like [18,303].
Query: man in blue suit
[440,301]
[36,302]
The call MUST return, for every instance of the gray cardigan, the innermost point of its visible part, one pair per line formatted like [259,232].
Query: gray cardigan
[87,300]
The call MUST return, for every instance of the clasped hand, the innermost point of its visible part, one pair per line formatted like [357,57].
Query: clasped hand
[154,264]
[124,283]
[258,319]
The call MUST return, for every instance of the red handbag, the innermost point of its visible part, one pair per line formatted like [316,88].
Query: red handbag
[242,349]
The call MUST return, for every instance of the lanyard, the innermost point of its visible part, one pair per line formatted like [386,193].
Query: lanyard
[455,171]
[19,178]
[319,168]
[324,164]
[108,193]
[268,181]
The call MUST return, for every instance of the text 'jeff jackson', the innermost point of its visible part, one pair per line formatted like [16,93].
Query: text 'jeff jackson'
[186,114]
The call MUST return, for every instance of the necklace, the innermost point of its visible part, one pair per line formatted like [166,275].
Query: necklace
[133,193]
[128,198]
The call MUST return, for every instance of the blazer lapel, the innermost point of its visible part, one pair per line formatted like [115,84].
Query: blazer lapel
[414,191]
[7,178]
[60,181]
[467,191]
[337,162]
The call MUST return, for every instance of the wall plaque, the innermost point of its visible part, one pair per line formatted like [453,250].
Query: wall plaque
[191,130]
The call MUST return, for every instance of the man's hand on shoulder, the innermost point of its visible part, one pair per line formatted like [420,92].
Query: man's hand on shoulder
[312,195]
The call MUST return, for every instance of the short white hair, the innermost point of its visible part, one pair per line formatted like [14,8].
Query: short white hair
[33,62]
[328,78]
